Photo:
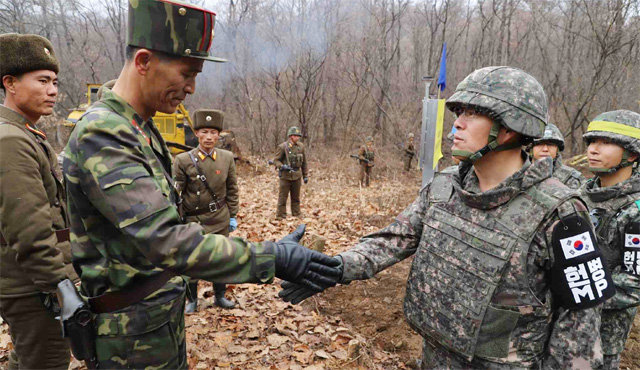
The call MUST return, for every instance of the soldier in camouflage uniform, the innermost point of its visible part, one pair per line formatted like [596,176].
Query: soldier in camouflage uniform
[206,180]
[613,197]
[129,245]
[228,142]
[550,145]
[35,253]
[506,272]
[366,157]
[409,152]
[291,162]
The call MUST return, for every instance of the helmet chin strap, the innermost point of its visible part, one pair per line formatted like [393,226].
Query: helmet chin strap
[606,171]
[492,145]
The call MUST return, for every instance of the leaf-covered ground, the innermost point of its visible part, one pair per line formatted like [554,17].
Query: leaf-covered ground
[359,326]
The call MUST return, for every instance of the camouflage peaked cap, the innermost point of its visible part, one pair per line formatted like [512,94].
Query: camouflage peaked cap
[172,27]
[208,118]
[107,85]
[509,95]
[20,54]
[620,126]
[553,135]
[294,130]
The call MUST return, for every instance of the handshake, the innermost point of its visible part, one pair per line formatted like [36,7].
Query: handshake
[305,271]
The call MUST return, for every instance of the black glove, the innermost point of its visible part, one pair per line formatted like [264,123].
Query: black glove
[296,293]
[50,302]
[286,167]
[305,179]
[298,264]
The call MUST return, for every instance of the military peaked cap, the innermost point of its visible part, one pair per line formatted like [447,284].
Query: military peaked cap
[172,27]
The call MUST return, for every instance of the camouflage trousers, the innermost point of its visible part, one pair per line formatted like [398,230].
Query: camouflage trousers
[365,174]
[289,187]
[407,163]
[436,357]
[35,334]
[614,330]
[138,338]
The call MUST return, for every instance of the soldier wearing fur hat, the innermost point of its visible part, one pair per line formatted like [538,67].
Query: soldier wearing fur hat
[206,181]
[613,196]
[291,162]
[130,245]
[34,239]
[551,144]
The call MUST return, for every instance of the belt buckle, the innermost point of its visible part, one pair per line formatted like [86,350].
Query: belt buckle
[213,206]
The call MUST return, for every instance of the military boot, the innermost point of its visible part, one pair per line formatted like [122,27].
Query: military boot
[221,301]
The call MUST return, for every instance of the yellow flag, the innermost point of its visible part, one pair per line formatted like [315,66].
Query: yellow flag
[437,143]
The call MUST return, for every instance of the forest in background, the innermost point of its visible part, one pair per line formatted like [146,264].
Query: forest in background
[344,70]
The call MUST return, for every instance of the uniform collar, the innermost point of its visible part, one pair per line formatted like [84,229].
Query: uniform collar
[203,154]
[118,104]
[11,116]
[597,193]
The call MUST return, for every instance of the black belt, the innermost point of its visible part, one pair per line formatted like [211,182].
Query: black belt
[213,207]
[62,236]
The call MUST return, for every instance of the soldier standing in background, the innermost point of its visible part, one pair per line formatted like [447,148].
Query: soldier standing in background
[291,162]
[206,181]
[550,145]
[366,157]
[409,152]
[507,273]
[613,197]
[34,241]
[129,244]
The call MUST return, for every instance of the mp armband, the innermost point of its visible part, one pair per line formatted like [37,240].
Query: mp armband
[631,251]
[580,278]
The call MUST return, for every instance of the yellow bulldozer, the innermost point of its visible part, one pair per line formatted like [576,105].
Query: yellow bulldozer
[176,128]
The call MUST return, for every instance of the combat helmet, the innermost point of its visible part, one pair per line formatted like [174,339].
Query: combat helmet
[369,139]
[510,97]
[294,130]
[552,135]
[621,127]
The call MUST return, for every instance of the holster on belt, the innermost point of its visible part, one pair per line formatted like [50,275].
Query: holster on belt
[77,323]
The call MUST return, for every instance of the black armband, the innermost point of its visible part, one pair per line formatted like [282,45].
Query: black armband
[631,250]
[580,277]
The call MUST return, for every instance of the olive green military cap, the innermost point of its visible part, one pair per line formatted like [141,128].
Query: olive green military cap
[20,54]
[294,130]
[208,118]
[172,27]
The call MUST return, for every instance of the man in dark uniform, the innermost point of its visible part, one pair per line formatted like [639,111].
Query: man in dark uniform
[34,240]
[366,157]
[291,162]
[409,152]
[206,180]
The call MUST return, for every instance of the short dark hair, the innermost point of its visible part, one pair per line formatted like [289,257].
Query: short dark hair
[130,52]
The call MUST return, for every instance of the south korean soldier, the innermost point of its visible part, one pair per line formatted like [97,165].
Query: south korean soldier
[613,196]
[506,273]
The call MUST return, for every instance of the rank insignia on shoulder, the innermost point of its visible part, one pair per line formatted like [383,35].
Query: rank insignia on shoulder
[631,255]
[580,278]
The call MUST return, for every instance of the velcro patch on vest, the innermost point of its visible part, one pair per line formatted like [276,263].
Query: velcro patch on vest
[631,256]
[580,277]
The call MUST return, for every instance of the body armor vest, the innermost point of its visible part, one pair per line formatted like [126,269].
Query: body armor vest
[565,174]
[468,289]
[369,154]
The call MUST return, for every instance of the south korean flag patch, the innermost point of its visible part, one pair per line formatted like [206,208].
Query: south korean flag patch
[631,251]
[580,278]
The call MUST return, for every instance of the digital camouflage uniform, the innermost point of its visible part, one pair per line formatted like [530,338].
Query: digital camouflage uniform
[290,181]
[567,175]
[409,153]
[366,159]
[125,228]
[615,210]
[491,281]
[198,204]
[35,253]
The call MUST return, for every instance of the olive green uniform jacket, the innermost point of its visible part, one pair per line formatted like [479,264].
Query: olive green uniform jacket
[294,155]
[220,171]
[31,209]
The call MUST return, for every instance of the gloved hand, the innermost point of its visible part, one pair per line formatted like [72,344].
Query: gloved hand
[305,179]
[298,264]
[233,224]
[296,293]
[286,167]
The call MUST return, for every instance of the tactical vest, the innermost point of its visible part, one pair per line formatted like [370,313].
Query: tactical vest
[369,154]
[295,156]
[566,174]
[468,288]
